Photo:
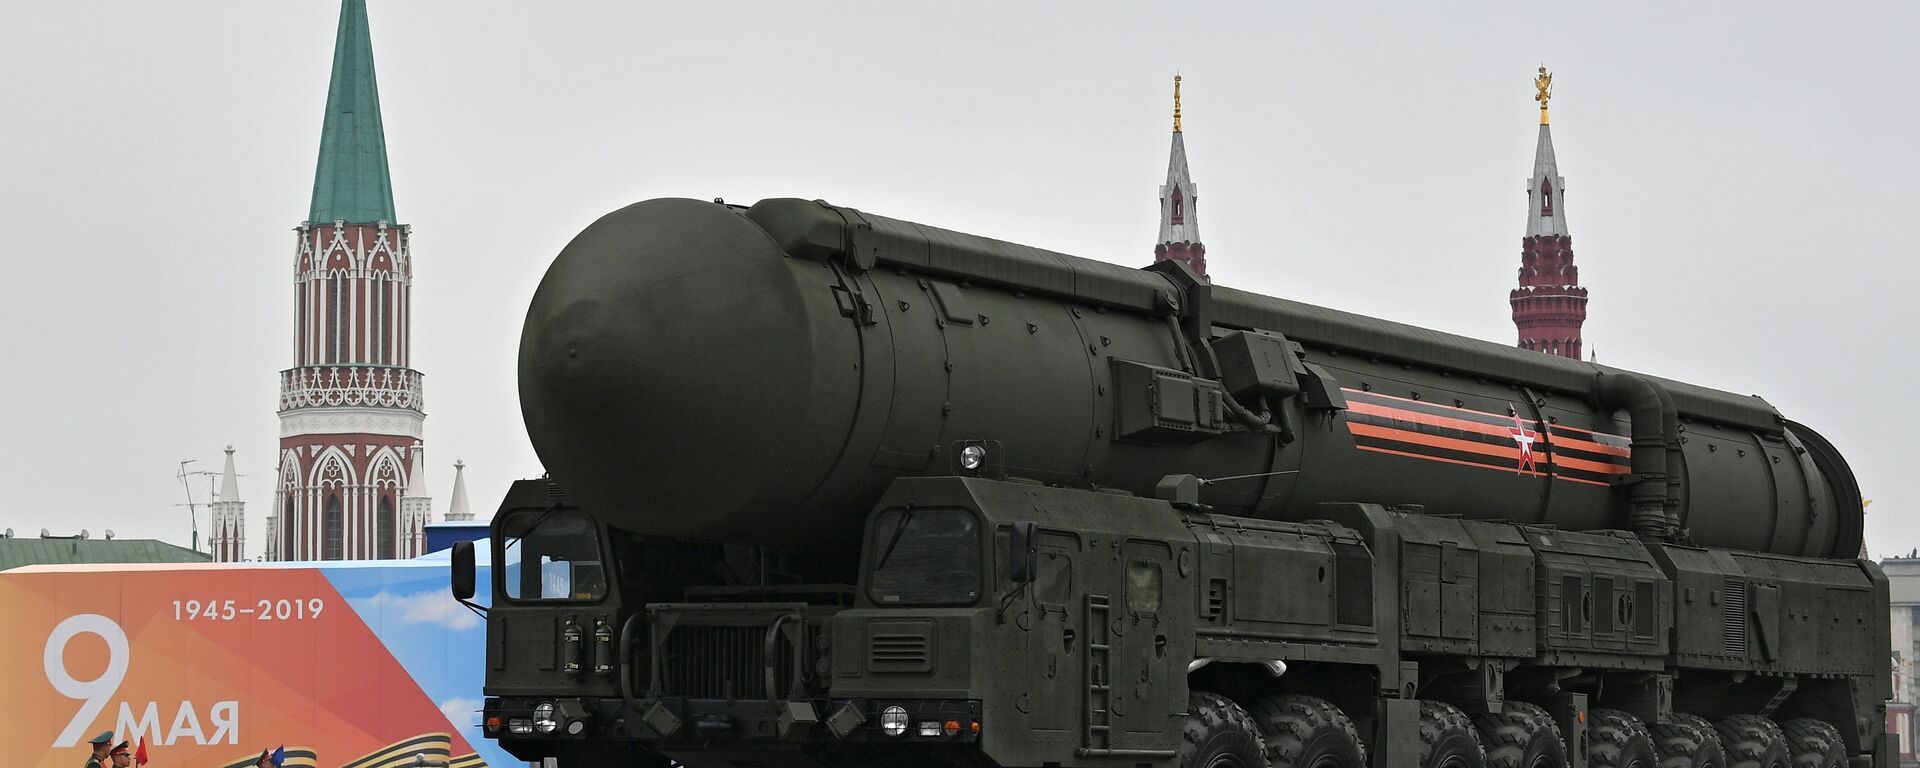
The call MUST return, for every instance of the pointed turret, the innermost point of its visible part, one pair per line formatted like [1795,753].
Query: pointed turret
[352,184]
[1179,204]
[1546,189]
[457,509]
[229,537]
[1549,307]
[229,480]
[416,473]
[416,506]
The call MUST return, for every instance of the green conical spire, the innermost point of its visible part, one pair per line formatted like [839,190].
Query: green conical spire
[352,182]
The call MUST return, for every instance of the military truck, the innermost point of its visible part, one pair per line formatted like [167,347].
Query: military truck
[832,489]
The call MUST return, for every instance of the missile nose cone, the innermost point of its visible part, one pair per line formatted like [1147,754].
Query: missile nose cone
[667,366]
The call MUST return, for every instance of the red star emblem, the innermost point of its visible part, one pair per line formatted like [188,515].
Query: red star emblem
[1523,437]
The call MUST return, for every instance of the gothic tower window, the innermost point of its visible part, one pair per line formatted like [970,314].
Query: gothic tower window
[1179,203]
[334,523]
[337,320]
[1546,198]
[384,542]
[301,323]
[286,525]
[380,321]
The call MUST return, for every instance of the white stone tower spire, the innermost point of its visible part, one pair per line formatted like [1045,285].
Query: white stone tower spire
[229,537]
[457,509]
[416,507]
[1180,204]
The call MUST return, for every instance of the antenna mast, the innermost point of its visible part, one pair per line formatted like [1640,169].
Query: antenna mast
[193,514]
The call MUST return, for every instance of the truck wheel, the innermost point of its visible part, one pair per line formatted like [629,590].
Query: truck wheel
[1447,739]
[1305,732]
[1688,742]
[1616,739]
[1523,736]
[1753,741]
[1219,734]
[1815,744]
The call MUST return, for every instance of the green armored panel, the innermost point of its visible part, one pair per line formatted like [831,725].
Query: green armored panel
[1710,607]
[1599,592]
[1258,364]
[1506,589]
[1814,616]
[1282,581]
[1440,579]
[1159,405]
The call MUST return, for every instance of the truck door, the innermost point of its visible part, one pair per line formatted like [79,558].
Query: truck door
[1139,622]
[1055,635]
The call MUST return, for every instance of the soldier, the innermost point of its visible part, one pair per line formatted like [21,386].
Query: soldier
[101,744]
[122,755]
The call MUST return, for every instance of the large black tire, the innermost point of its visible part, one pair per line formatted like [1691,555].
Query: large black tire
[1616,739]
[1753,741]
[1522,736]
[1447,738]
[1219,734]
[1815,744]
[1688,742]
[1305,732]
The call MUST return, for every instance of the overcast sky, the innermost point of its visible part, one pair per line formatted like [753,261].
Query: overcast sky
[1740,189]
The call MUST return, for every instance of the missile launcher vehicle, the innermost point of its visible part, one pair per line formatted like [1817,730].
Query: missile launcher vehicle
[832,489]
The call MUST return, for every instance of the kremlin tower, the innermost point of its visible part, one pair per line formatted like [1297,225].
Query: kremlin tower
[229,537]
[351,414]
[1179,205]
[457,510]
[1549,306]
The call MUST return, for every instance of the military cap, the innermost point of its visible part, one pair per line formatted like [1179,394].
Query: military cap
[105,737]
[121,749]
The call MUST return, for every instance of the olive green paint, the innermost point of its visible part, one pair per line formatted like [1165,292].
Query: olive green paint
[351,183]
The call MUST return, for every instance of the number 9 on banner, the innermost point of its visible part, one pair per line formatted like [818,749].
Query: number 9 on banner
[95,692]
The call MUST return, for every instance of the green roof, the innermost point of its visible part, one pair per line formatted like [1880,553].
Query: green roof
[18,552]
[352,182]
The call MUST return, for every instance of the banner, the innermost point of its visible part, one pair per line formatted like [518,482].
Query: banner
[356,664]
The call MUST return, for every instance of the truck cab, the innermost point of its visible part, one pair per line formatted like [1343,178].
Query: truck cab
[989,622]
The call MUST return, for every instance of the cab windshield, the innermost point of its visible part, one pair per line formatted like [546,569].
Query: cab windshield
[924,557]
[550,554]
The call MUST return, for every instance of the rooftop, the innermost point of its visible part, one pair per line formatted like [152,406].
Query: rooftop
[17,552]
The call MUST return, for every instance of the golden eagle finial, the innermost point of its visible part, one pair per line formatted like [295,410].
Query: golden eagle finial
[1176,103]
[1543,85]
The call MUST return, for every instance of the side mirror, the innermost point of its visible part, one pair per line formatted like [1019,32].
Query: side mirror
[1020,552]
[463,570]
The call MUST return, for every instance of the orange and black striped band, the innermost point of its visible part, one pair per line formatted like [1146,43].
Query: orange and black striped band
[1506,442]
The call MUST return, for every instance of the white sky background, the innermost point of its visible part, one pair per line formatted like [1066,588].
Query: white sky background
[1741,189]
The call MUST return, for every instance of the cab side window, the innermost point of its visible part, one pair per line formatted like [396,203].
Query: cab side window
[1053,577]
[1143,586]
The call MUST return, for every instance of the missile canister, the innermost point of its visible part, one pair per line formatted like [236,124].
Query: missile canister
[696,370]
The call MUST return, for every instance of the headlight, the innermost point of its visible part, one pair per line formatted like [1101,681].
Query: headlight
[543,718]
[929,727]
[972,457]
[893,720]
[519,725]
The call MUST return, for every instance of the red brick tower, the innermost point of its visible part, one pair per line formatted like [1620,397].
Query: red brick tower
[350,409]
[1179,205]
[1549,306]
